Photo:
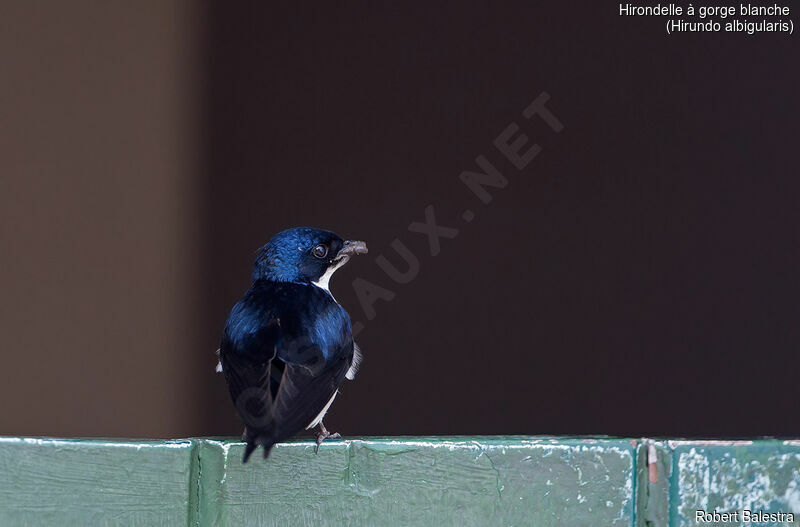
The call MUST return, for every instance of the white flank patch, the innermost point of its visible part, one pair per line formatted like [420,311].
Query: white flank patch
[318,419]
[351,373]
[218,369]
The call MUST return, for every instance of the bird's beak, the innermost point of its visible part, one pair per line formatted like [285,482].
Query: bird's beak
[350,248]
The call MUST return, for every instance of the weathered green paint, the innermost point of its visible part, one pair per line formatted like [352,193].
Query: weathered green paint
[652,497]
[209,485]
[732,476]
[94,482]
[417,481]
[393,481]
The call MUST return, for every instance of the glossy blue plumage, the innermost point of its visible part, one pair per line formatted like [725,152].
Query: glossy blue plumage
[283,258]
[287,344]
[305,312]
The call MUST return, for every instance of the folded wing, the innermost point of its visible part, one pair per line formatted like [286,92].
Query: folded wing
[280,376]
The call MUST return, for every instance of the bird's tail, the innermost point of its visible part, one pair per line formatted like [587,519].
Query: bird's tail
[255,440]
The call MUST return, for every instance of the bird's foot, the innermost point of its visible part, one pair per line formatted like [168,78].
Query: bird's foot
[323,434]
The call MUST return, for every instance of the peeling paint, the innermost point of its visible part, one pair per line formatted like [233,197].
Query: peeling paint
[447,481]
[676,443]
[518,480]
[178,444]
[731,476]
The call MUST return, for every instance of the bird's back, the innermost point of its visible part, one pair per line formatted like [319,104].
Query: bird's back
[285,351]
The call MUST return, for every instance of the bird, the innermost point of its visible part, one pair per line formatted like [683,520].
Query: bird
[287,345]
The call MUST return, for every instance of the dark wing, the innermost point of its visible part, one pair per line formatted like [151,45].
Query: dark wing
[317,348]
[304,394]
[284,362]
[246,353]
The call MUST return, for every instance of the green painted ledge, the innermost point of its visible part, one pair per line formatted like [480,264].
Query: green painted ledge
[95,482]
[541,481]
[421,481]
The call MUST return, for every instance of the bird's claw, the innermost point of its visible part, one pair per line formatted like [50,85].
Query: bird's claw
[322,436]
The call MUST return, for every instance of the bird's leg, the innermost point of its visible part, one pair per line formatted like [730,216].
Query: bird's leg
[323,434]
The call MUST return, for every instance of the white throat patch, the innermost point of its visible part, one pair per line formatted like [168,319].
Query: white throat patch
[325,279]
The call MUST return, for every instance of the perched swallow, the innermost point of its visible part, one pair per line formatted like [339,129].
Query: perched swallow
[288,344]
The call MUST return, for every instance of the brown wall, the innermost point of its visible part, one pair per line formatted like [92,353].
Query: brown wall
[639,277]
[98,141]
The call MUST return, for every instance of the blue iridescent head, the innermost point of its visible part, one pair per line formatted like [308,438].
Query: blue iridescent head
[304,255]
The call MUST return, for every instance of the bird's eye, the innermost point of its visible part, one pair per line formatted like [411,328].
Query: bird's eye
[320,251]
